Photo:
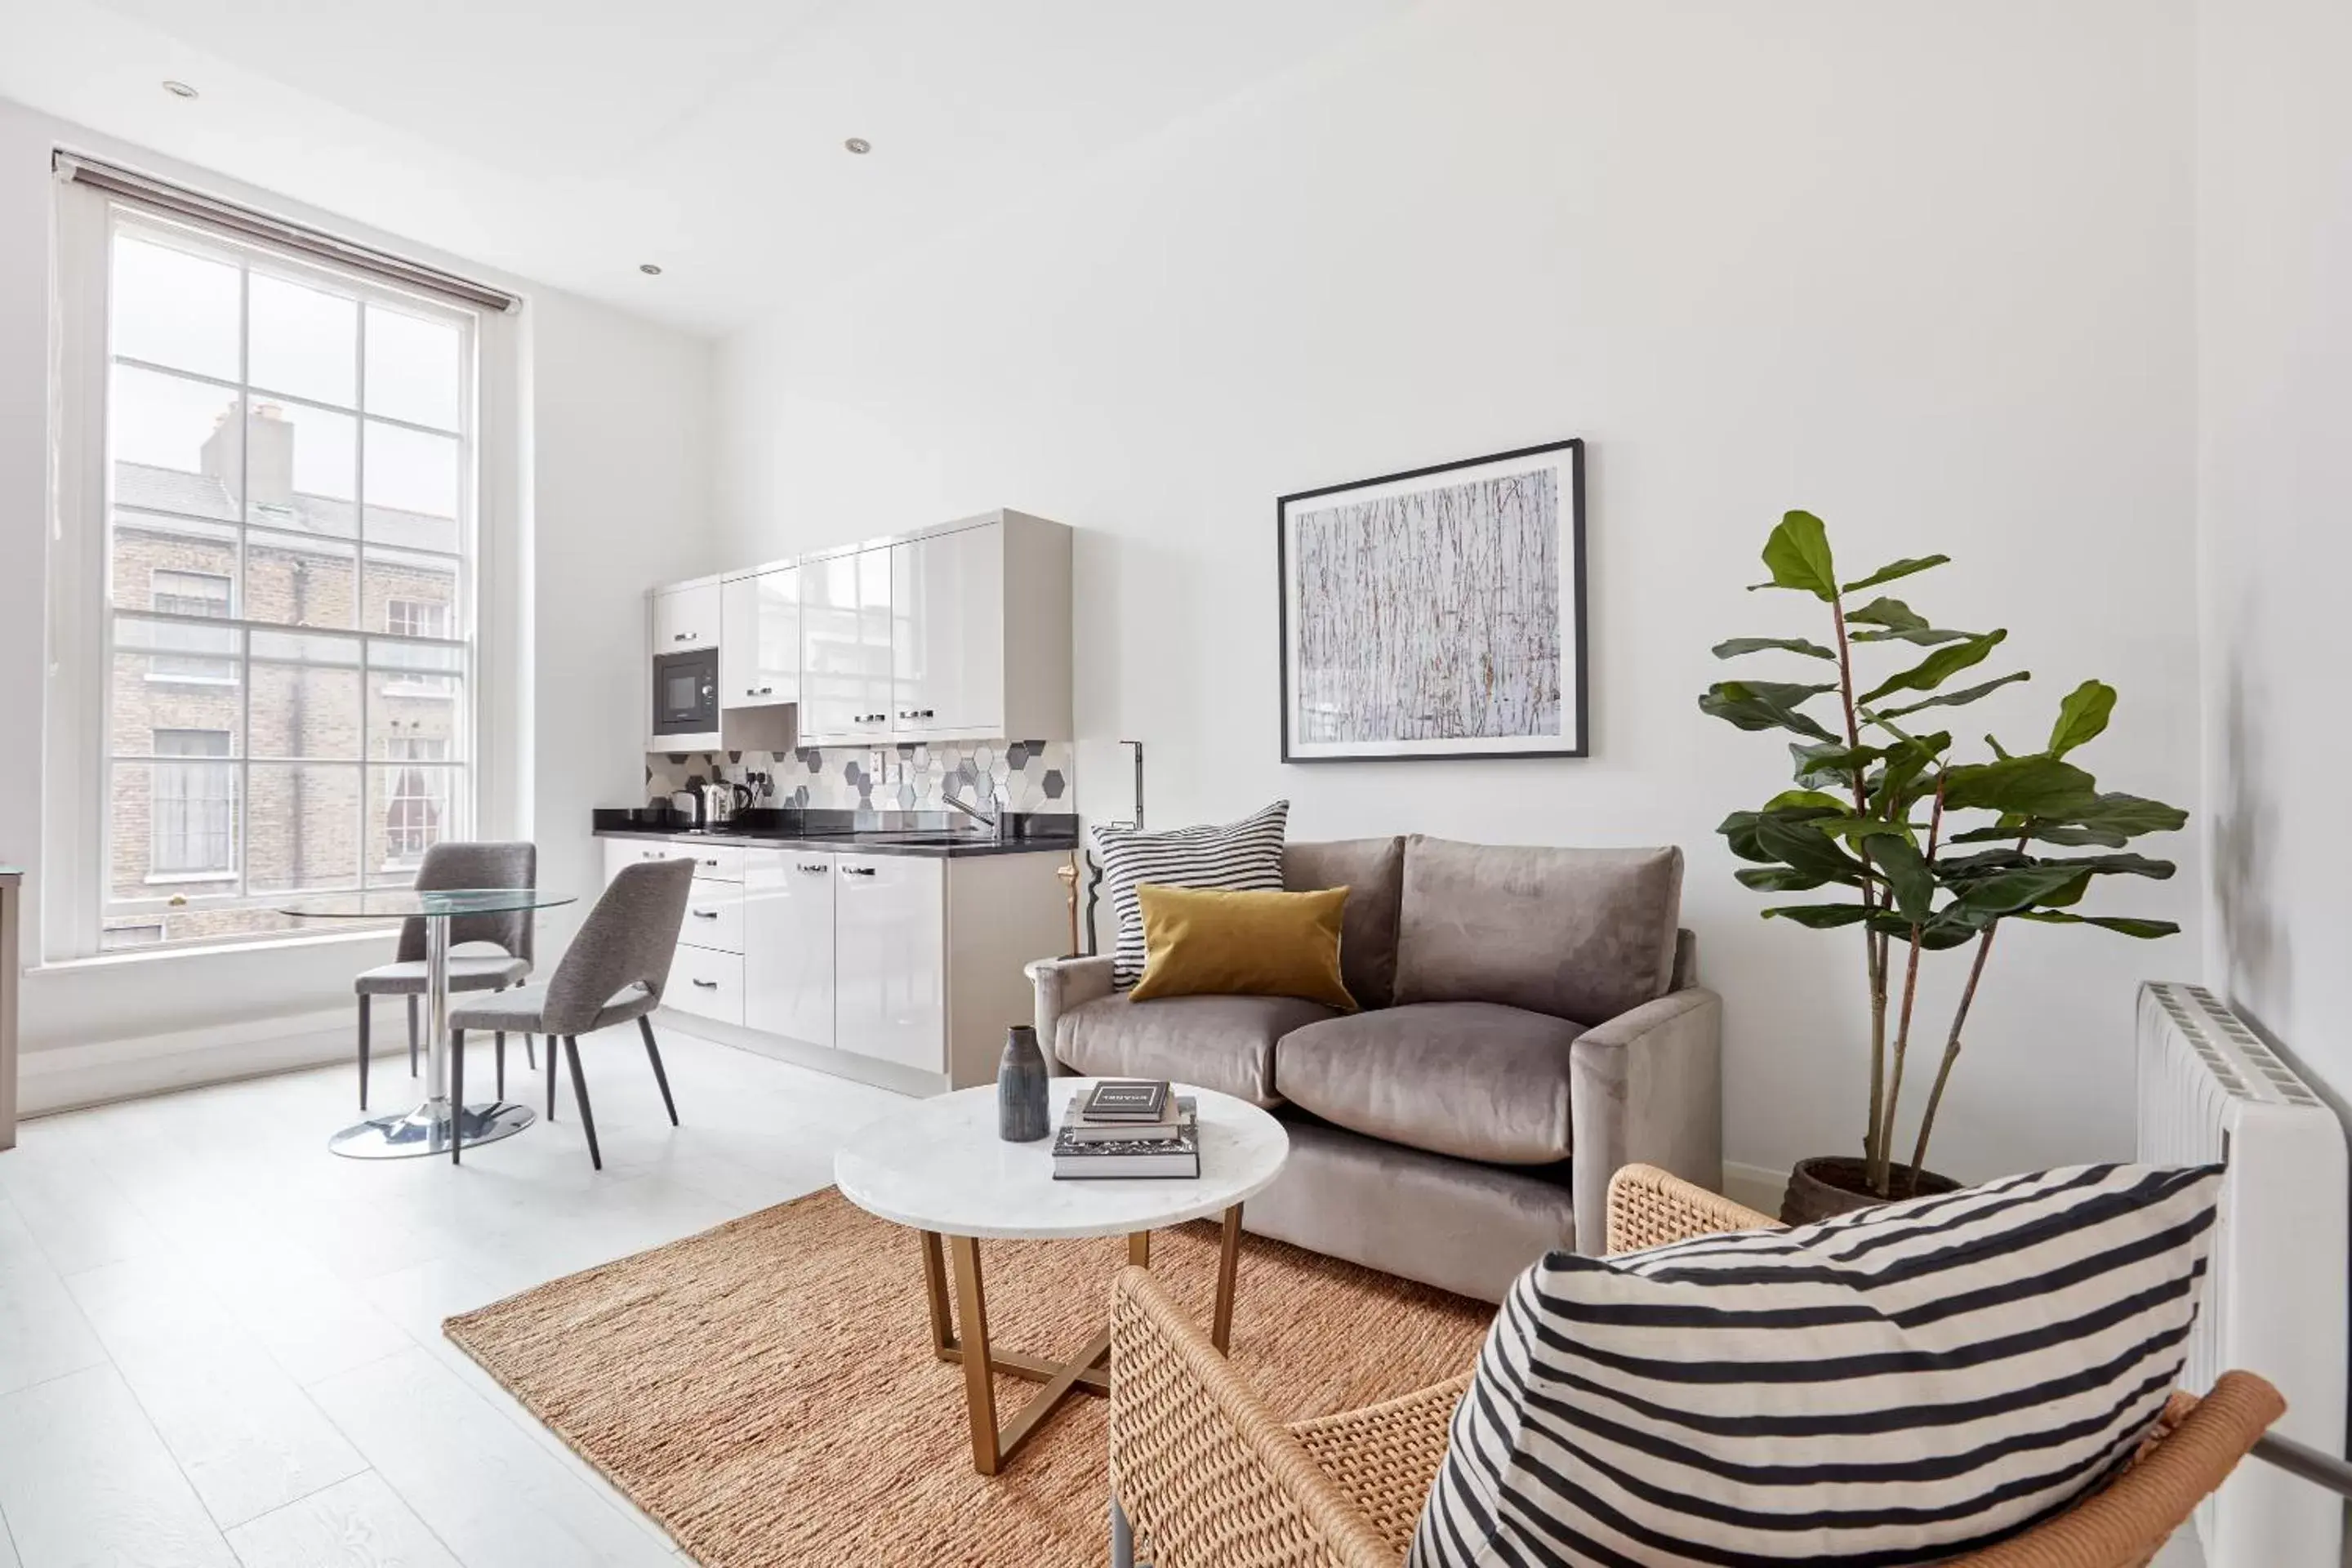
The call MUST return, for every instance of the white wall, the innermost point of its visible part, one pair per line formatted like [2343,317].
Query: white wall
[2274,331]
[1924,268]
[617,496]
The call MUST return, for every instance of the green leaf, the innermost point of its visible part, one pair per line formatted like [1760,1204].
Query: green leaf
[1776,879]
[1906,762]
[1831,762]
[1954,699]
[1788,798]
[1903,568]
[1738,832]
[1907,875]
[2116,865]
[1764,705]
[1820,917]
[2027,787]
[1792,840]
[1986,898]
[1933,671]
[2080,716]
[1798,556]
[2127,925]
[1935,935]
[1924,636]
[1998,749]
[1855,829]
[1737,646]
[1892,614]
[2128,814]
[1983,863]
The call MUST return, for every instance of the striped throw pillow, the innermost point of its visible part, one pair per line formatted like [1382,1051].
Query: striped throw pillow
[1890,1387]
[1242,857]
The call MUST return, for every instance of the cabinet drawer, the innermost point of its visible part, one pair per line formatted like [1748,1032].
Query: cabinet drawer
[620,852]
[714,917]
[704,982]
[714,862]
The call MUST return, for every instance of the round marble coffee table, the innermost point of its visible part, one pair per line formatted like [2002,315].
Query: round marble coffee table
[938,1168]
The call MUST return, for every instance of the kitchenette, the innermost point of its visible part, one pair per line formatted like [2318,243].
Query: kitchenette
[847,745]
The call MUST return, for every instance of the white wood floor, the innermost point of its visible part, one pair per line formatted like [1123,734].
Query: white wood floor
[221,1344]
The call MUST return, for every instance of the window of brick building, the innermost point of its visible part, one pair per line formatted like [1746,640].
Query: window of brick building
[284,491]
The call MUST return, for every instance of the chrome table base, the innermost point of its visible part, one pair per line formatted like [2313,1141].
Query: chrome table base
[426,1128]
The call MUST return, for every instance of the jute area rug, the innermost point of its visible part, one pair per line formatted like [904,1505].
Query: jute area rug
[767,1390]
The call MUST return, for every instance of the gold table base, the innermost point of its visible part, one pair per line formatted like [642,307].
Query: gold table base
[993,1445]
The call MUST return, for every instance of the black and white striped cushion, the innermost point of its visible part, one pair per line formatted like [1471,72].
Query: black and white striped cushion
[1889,1387]
[1242,857]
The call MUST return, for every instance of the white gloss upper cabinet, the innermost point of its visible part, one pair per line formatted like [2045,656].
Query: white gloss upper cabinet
[686,618]
[981,631]
[845,647]
[890,959]
[759,639]
[788,903]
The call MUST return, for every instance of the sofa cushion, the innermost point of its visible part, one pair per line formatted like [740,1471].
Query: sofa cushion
[1238,857]
[1905,1385]
[1202,942]
[1475,1079]
[1224,1043]
[1372,870]
[1584,934]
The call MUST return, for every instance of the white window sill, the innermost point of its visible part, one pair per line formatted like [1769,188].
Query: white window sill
[183,879]
[414,692]
[164,678]
[157,952]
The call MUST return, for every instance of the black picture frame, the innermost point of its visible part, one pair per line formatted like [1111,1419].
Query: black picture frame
[1576,685]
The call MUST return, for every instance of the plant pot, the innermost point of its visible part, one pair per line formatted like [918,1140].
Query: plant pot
[1834,1185]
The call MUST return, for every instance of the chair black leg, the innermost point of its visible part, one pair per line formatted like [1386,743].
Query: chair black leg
[646,1027]
[530,1057]
[580,1093]
[456,1092]
[550,1077]
[498,1049]
[364,1049]
[412,1036]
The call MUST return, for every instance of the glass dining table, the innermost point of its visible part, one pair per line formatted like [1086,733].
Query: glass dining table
[428,1128]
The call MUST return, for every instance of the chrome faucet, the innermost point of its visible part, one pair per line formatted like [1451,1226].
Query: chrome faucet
[999,824]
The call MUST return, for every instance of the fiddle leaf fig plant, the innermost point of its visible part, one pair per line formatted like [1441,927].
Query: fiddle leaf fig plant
[1920,850]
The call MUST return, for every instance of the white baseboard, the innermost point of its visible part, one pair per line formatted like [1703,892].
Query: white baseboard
[70,1076]
[1758,1187]
[817,1058]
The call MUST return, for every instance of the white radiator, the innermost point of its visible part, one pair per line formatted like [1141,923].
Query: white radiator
[2275,1301]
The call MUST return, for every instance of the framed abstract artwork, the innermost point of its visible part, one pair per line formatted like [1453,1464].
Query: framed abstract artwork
[1437,613]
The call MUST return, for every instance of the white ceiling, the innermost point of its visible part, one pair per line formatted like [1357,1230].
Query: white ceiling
[568,140]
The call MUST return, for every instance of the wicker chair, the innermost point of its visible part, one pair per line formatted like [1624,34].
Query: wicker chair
[1205,1476]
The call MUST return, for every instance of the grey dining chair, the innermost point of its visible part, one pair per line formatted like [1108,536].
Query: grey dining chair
[448,865]
[613,971]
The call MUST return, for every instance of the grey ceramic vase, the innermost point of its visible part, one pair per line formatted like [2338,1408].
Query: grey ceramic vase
[1022,1116]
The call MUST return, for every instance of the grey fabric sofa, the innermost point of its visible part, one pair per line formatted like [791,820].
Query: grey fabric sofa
[1531,1021]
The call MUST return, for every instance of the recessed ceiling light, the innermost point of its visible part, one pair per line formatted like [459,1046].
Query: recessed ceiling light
[859,144]
[179,90]
[648,269]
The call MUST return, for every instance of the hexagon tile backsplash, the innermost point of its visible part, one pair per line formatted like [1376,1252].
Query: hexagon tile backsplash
[1036,776]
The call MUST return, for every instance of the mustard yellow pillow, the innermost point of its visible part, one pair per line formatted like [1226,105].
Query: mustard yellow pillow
[1201,942]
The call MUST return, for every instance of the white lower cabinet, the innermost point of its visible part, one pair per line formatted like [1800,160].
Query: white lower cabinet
[787,904]
[706,982]
[890,959]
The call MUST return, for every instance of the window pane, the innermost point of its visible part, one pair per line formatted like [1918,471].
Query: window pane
[409,809]
[415,368]
[205,917]
[174,444]
[302,467]
[175,823]
[169,675]
[146,552]
[305,341]
[172,308]
[412,489]
[304,710]
[297,580]
[305,828]
[409,595]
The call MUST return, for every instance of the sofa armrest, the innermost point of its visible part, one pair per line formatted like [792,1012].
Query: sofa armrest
[1062,983]
[1205,1472]
[1645,1088]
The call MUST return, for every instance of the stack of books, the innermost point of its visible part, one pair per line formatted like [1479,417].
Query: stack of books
[1124,1129]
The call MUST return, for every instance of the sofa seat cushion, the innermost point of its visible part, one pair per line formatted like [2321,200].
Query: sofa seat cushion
[1474,1079]
[1224,1043]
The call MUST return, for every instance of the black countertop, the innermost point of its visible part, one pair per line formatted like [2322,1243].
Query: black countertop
[863,833]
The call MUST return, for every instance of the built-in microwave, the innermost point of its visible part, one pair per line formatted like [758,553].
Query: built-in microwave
[685,698]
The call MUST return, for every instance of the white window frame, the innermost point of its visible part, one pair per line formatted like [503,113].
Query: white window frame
[173,676]
[75,893]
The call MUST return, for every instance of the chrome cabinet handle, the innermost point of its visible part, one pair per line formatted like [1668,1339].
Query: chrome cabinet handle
[712,861]
[817,870]
[708,984]
[704,914]
[857,870]
[681,636]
